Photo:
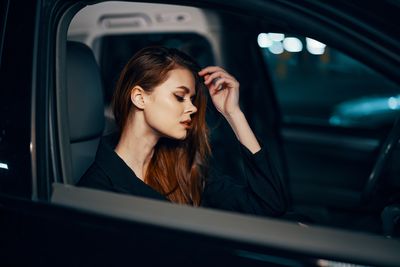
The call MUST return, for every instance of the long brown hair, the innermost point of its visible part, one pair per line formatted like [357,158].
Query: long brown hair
[178,167]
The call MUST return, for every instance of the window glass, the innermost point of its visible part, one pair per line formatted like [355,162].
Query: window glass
[116,50]
[317,84]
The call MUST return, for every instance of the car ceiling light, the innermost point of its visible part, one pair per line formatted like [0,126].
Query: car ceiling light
[292,44]
[3,166]
[263,40]
[277,37]
[276,48]
[125,20]
[315,47]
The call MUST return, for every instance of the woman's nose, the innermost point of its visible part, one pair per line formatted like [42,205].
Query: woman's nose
[191,108]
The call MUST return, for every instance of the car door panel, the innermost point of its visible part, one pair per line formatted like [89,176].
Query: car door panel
[324,166]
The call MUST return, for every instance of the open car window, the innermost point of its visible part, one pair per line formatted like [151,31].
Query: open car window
[319,87]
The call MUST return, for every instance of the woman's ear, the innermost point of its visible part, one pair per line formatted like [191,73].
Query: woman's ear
[137,97]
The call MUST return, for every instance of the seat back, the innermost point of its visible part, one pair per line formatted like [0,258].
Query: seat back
[85,107]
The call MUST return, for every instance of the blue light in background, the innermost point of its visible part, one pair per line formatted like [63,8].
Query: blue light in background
[393,102]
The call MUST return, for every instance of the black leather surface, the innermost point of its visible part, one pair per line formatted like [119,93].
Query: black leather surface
[85,107]
[85,93]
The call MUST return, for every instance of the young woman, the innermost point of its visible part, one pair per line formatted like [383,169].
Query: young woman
[161,150]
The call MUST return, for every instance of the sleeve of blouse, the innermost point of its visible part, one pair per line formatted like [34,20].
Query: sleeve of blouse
[263,193]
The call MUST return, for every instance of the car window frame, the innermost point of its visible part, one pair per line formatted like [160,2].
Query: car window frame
[3,24]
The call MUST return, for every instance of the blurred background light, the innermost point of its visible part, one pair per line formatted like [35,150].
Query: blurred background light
[277,37]
[315,47]
[264,40]
[292,44]
[276,48]
[393,103]
[3,166]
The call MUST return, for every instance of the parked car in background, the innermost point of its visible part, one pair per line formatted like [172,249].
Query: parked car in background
[320,86]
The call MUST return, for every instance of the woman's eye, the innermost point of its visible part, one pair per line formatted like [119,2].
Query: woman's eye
[180,98]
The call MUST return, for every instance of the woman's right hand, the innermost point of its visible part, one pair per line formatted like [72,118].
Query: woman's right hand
[223,89]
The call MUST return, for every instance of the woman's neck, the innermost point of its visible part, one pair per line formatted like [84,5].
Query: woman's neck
[136,146]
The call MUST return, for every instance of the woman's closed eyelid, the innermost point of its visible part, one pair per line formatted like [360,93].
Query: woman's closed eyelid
[179,98]
[182,98]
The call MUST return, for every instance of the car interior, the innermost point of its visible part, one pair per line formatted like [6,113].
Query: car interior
[319,85]
[327,118]
[83,72]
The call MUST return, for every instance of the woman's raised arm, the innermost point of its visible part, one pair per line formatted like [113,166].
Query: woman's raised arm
[224,91]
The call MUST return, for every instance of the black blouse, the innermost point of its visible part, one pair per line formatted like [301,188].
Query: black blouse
[262,193]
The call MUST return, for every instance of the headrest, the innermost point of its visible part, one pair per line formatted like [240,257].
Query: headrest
[85,93]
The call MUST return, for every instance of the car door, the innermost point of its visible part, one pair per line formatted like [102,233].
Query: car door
[15,103]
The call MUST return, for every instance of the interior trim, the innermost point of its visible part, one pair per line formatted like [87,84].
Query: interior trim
[340,140]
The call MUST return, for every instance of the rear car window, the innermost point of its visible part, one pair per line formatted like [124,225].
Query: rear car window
[116,50]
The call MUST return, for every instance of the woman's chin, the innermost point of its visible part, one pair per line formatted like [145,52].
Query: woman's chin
[183,137]
[178,136]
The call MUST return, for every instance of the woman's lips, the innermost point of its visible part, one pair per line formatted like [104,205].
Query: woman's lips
[187,124]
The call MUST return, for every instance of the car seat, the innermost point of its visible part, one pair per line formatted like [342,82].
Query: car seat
[85,108]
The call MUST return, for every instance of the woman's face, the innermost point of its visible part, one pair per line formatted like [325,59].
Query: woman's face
[169,106]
